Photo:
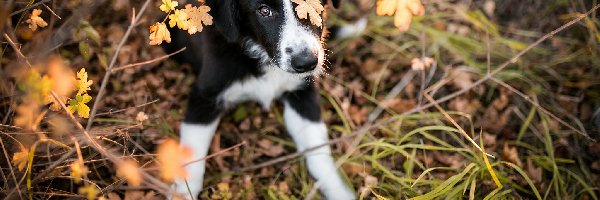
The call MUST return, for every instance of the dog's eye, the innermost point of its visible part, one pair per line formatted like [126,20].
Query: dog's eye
[264,11]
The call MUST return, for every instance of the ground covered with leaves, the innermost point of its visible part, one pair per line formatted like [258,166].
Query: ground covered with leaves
[476,100]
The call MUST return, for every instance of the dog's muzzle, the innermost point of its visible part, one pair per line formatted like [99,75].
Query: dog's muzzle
[304,60]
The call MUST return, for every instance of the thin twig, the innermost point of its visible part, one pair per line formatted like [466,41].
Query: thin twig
[27,8]
[148,61]
[216,153]
[14,46]
[112,64]
[124,109]
[51,11]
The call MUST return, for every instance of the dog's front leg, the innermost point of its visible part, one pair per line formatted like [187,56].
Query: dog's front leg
[303,121]
[196,132]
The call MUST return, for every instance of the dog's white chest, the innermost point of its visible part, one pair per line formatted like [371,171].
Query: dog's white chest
[263,89]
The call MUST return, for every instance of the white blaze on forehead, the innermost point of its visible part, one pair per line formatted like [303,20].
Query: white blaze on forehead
[297,36]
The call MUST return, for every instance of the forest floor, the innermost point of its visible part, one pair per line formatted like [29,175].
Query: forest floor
[410,114]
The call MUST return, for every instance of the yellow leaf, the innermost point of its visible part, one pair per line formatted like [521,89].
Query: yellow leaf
[129,169]
[35,20]
[90,191]
[21,158]
[179,18]
[82,84]
[197,16]
[310,9]
[159,33]
[78,171]
[79,104]
[403,11]
[168,5]
[172,157]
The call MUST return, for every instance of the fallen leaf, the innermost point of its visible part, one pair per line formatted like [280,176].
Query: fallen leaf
[511,154]
[141,117]
[35,20]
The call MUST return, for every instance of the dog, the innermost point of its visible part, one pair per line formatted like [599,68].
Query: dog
[257,50]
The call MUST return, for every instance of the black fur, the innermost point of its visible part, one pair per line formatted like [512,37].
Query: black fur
[217,56]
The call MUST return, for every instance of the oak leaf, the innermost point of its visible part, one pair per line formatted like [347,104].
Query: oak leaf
[83,84]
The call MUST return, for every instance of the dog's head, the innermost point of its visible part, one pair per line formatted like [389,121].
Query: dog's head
[270,31]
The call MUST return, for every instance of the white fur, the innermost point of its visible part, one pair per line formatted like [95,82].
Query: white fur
[353,30]
[263,89]
[197,137]
[298,37]
[307,134]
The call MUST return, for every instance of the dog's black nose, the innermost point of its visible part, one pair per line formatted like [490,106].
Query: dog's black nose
[304,61]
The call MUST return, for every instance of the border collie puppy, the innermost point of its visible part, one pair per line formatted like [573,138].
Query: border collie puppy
[257,50]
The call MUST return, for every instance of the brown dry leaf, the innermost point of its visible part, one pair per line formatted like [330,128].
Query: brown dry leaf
[63,79]
[420,64]
[129,170]
[461,79]
[172,157]
[59,125]
[21,158]
[465,105]
[403,11]
[269,149]
[78,170]
[511,154]
[197,17]
[535,173]
[159,33]
[139,195]
[35,20]
[111,196]
[311,9]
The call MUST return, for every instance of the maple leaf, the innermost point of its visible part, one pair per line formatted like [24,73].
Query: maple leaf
[129,169]
[79,104]
[197,16]
[168,5]
[403,11]
[90,191]
[172,157]
[35,20]
[179,18]
[159,33]
[82,84]
[311,9]
[78,170]
[21,158]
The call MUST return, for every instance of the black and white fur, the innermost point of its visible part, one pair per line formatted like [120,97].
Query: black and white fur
[248,55]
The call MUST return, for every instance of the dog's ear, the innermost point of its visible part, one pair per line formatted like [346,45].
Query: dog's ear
[227,18]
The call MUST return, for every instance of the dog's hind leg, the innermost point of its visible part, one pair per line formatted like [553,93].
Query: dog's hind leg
[303,121]
[197,131]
